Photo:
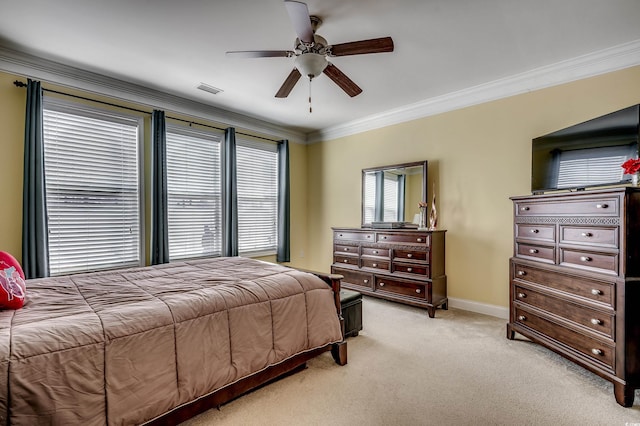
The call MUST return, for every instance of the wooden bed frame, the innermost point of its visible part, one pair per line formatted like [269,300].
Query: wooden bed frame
[261,378]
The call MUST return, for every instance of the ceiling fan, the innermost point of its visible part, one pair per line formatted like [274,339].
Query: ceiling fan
[311,52]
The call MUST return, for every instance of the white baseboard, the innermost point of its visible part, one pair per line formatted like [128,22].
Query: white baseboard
[481,308]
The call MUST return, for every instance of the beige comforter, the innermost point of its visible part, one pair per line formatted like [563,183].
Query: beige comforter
[123,347]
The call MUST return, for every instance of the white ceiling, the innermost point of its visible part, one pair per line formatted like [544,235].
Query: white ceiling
[441,46]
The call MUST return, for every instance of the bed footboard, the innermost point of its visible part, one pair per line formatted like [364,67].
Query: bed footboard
[339,350]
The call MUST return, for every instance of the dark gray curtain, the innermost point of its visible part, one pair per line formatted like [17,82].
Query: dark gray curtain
[379,208]
[230,194]
[35,241]
[159,202]
[402,179]
[284,249]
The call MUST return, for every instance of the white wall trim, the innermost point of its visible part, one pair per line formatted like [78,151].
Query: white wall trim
[608,60]
[24,64]
[481,308]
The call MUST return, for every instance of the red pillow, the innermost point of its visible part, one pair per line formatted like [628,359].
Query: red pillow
[12,286]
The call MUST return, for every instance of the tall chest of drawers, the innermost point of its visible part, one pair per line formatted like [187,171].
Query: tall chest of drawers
[402,265]
[575,280]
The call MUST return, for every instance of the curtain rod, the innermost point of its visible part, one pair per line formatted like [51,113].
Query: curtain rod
[19,83]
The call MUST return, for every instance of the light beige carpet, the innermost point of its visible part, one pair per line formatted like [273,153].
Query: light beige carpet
[408,369]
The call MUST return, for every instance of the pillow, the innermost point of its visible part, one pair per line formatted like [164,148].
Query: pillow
[12,285]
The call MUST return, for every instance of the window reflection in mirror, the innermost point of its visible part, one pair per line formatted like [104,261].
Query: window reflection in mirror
[392,193]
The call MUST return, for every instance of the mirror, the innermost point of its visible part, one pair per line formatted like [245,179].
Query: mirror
[392,193]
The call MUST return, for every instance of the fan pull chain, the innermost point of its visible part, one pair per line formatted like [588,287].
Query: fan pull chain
[310,109]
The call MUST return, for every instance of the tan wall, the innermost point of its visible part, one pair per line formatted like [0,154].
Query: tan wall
[478,157]
[12,110]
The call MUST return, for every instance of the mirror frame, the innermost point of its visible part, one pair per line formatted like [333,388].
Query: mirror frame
[389,167]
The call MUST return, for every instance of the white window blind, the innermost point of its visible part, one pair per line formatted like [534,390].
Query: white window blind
[257,174]
[390,197]
[369,197]
[592,166]
[92,188]
[194,193]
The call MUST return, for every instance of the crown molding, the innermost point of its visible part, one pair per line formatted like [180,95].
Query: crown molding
[27,65]
[608,60]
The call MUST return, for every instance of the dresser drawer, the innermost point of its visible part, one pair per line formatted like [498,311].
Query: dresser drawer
[377,264]
[599,262]
[339,249]
[358,278]
[592,319]
[413,238]
[597,291]
[410,255]
[592,207]
[353,236]
[544,233]
[346,260]
[408,268]
[411,289]
[539,253]
[590,235]
[593,349]
[368,251]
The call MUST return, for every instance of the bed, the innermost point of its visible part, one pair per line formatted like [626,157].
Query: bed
[159,344]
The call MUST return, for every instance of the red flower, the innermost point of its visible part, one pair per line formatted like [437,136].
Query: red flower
[631,166]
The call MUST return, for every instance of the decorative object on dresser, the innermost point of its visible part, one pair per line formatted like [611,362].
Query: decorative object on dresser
[575,280]
[404,265]
[433,214]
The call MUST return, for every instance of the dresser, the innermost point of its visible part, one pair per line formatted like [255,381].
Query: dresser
[575,280]
[402,265]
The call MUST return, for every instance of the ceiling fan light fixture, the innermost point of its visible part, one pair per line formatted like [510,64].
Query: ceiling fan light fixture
[311,64]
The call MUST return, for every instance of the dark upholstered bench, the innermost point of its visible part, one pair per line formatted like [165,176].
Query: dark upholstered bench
[351,304]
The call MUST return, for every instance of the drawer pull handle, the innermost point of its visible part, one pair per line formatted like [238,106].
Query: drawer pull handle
[522,295]
[375,252]
[341,235]
[522,318]
[409,255]
[346,261]
[365,281]
[587,234]
[535,231]
[346,249]
[368,236]
[375,265]
[602,206]
[521,273]
[524,209]
[533,251]
[381,284]
[409,269]
[596,292]
[596,321]
[418,291]
[585,258]
[419,240]
[596,351]
[384,237]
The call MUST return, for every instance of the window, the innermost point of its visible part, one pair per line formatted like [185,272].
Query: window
[369,197]
[92,188]
[390,197]
[194,193]
[257,174]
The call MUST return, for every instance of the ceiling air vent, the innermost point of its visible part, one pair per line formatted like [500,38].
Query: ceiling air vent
[209,89]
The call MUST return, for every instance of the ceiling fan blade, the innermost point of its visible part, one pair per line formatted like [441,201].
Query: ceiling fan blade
[260,54]
[342,80]
[375,45]
[299,14]
[288,84]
